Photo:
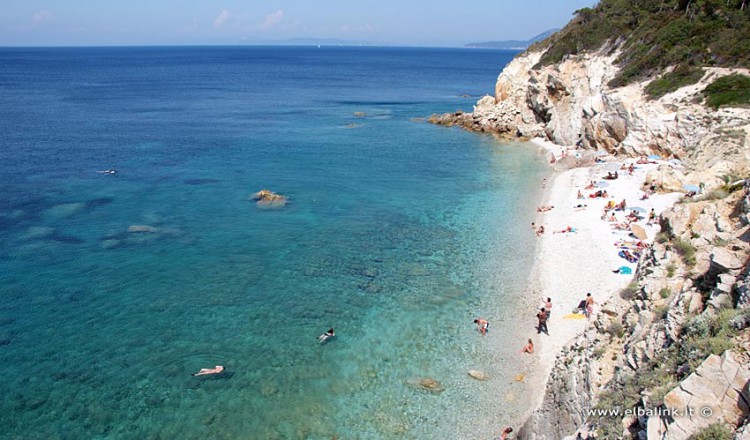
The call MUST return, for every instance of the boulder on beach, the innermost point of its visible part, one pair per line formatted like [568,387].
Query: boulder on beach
[267,198]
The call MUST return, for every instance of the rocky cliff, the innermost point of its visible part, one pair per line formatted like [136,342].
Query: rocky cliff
[570,104]
[668,358]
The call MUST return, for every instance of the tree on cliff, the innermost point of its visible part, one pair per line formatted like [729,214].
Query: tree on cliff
[653,36]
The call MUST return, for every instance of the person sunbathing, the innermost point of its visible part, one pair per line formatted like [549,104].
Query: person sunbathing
[568,229]
[203,371]
[540,231]
[591,185]
[544,208]
[528,348]
[580,195]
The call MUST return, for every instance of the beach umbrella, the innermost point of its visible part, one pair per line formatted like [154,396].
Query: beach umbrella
[691,188]
[655,157]
[639,232]
[612,166]
[638,209]
[602,184]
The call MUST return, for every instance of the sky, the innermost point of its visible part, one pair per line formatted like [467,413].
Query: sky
[209,22]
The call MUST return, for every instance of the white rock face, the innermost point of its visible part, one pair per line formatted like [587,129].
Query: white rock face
[570,103]
[716,392]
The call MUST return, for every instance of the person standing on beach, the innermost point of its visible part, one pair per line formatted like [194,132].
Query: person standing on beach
[589,305]
[542,317]
[506,432]
[548,307]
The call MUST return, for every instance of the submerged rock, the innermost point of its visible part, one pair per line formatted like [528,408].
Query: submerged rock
[267,198]
[136,229]
[478,375]
[427,384]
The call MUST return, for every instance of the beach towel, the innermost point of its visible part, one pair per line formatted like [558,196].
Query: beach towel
[574,316]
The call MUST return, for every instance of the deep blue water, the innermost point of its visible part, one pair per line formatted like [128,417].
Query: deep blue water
[398,234]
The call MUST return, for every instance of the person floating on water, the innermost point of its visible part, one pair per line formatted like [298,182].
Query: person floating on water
[216,370]
[482,325]
[327,335]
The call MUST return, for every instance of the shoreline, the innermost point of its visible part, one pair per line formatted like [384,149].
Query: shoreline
[568,265]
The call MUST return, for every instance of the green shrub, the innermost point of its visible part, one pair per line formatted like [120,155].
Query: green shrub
[660,312]
[730,90]
[616,330]
[703,336]
[654,36]
[716,431]
[686,251]
[671,269]
[662,237]
[599,352]
[665,292]
[629,293]
[669,82]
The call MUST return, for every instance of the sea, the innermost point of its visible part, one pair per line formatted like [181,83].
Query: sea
[116,287]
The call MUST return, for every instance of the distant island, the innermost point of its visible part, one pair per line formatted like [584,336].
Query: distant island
[512,44]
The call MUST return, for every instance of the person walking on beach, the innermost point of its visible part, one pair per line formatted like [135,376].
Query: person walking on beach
[548,307]
[542,317]
[482,325]
[589,305]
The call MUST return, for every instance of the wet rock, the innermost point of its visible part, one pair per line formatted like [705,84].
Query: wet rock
[110,243]
[427,384]
[269,199]
[65,210]
[39,232]
[478,375]
[139,229]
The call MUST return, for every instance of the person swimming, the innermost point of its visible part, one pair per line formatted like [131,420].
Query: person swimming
[216,370]
[327,335]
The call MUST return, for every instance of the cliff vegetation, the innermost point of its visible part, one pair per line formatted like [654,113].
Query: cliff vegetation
[671,37]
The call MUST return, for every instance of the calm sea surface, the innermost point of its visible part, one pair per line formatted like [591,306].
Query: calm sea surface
[398,234]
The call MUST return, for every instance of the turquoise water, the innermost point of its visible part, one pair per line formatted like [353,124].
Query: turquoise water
[398,234]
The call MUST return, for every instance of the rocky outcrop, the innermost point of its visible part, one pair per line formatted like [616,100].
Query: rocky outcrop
[717,392]
[570,103]
[268,199]
[604,368]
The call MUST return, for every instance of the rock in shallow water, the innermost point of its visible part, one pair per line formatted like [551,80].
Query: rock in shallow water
[141,229]
[269,199]
[478,375]
[427,384]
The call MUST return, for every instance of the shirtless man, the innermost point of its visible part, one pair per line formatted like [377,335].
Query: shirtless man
[482,325]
